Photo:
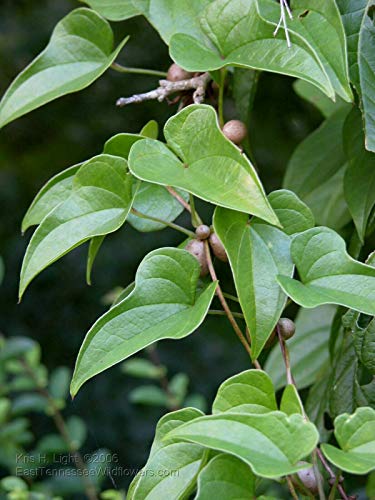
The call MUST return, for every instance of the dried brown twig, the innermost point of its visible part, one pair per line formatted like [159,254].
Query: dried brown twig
[166,88]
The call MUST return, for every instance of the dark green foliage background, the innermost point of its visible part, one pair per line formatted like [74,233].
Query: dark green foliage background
[59,308]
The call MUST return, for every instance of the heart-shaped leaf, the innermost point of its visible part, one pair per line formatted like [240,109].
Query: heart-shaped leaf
[322,27]
[172,467]
[166,16]
[207,164]
[80,50]
[359,180]
[118,10]
[54,192]
[150,199]
[316,170]
[164,304]
[308,348]
[99,204]
[271,443]
[58,189]
[328,274]
[155,201]
[241,34]
[366,64]
[257,253]
[291,402]
[251,391]
[292,213]
[355,435]
[226,478]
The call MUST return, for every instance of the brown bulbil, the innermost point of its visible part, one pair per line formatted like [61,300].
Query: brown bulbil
[235,131]
[218,248]
[196,248]
[308,478]
[176,73]
[286,327]
[203,232]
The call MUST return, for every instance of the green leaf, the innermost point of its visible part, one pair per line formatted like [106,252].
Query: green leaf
[364,344]
[150,199]
[80,50]
[77,431]
[316,169]
[94,248]
[59,382]
[99,204]
[317,402]
[237,34]
[118,10]
[322,27]
[13,483]
[344,380]
[257,253]
[370,486]
[245,83]
[313,95]
[291,402]
[27,403]
[292,213]
[355,435]
[352,12]
[166,16]
[209,165]
[271,443]
[359,180]
[226,478]
[308,348]
[155,201]
[149,395]
[366,64]
[178,387]
[120,144]
[142,368]
[54,192]
[150,130]
[164,304]
[172,467]
[251,391]
[328,274]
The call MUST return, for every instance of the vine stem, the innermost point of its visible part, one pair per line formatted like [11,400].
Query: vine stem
[179,198]
[317,452]
[137,71]
[164,382]
[223,302]
[172,225]
[291,488]
[223,74]
[195,218]
[62,428]
[332,475]
[286,358]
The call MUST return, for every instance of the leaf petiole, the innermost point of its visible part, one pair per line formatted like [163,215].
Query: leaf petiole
[172,225]
[138,71]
